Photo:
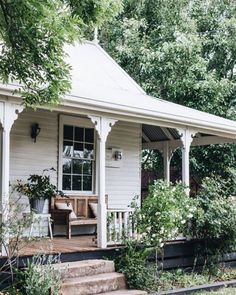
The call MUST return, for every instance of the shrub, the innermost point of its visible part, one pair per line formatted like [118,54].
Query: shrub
[38,277]
[164,213]
[132,262]
[214,221]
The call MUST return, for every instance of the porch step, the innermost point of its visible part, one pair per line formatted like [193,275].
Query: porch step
[85,268]
[125,292]
[90,277]
[95,284]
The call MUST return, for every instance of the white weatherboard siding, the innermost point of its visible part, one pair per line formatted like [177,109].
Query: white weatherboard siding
[27,157]
[123,183]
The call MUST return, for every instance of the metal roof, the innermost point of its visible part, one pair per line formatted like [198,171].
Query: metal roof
[152,133]
[100,85]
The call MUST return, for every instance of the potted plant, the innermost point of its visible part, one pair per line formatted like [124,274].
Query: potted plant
[38,188]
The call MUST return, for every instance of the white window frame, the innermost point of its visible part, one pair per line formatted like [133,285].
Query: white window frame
[78,122]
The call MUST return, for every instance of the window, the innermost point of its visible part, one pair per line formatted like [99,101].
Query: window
[77,158]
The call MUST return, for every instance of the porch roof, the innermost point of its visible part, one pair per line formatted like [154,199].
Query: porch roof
[99,84]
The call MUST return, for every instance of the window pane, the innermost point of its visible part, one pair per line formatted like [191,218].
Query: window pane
[77,167]
[78,150]
[88,151]
[87,167]
[79,134]
[68,132]
[66,183]
[67,166]
[68,149]
[89,135]
[76,183]
[87,183]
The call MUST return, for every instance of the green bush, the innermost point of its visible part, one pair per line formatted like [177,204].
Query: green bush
[37,278]
[214,221]
[132,262]
[164,213]
[162,217]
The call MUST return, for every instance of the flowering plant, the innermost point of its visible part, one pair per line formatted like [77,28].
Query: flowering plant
[164,213]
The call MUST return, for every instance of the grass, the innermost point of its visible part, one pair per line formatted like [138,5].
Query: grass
[224,291]
[179,279]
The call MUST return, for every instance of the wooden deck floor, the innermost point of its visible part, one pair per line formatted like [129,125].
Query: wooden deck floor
[59,245]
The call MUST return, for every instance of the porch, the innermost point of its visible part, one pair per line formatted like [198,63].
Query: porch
[119,178]
[60,245]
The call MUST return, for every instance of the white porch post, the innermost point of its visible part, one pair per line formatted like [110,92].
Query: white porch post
[103,126]
[10,113]
[186,138]
[167,155]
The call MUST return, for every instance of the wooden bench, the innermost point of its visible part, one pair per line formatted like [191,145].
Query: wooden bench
[81,207]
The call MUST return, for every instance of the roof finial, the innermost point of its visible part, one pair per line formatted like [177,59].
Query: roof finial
[95,36]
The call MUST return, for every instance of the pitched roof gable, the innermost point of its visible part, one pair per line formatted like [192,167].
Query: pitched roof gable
[94,69]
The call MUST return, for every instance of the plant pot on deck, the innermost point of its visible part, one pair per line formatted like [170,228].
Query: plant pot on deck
[37,205]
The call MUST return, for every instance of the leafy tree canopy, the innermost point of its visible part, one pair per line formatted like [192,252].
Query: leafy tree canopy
[185,52]
[33,34]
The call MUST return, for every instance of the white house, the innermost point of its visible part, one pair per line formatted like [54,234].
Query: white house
[95,136]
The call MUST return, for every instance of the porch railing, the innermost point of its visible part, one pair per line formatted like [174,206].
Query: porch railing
[120,226]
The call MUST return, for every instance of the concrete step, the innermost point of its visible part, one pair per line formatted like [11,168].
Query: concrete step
[84,268]
[95,284]
[125,292]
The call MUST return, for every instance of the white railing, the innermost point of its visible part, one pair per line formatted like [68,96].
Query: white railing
[120,226]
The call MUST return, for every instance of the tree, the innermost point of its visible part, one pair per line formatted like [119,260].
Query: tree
[182,51]
[33,34]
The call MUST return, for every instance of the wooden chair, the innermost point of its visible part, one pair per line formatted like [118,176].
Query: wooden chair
[81,207]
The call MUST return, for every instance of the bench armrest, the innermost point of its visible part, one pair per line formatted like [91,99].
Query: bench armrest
[60,211]
[60,216]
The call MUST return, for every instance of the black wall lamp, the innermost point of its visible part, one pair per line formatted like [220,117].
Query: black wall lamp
[35,130]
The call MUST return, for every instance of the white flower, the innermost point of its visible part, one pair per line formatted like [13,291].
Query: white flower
[183,221]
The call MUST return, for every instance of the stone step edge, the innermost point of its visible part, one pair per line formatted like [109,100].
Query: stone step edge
[84,268]
[93,278]
[82,263]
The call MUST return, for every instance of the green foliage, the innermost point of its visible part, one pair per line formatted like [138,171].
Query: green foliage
[141,274]
[178,50]
[95,12]
[132,263]
[38,277]
[38,187]
[214,221]
[33,34]
[164,213]
[219,159]
[180,279]
[182,51]
[167,211]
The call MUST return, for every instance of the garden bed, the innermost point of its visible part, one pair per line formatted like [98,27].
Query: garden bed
[181,282]
[196,289]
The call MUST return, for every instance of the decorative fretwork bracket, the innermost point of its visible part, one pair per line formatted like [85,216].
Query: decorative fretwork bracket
[186,136]
[103,126]
[8,114]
